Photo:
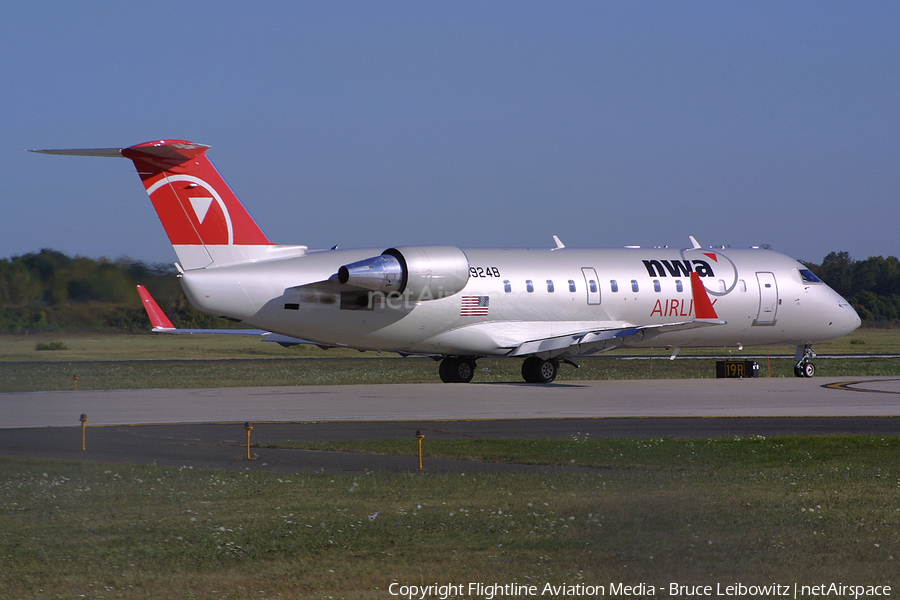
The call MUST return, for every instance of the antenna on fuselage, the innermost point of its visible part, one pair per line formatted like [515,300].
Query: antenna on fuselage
[559,244]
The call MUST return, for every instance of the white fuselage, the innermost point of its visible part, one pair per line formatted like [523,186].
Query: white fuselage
[761,295]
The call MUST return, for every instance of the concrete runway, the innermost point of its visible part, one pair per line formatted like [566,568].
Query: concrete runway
[764,397]
[203,428]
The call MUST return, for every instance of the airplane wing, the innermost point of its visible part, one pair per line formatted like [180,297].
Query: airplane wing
[606,338]
[611,335]
[161,324]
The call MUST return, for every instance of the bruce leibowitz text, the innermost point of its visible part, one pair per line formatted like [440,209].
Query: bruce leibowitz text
[492,591]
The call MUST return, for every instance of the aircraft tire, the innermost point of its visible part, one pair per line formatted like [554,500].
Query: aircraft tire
[805,369]
[457,369]
[538,370]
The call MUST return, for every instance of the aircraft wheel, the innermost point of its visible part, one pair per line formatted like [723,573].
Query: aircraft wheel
[538,370]
[805,369]
[457,370]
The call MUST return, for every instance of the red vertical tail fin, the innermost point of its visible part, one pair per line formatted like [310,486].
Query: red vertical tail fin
[202,216]
[205,221]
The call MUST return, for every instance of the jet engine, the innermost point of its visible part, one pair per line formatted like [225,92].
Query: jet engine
[419,272]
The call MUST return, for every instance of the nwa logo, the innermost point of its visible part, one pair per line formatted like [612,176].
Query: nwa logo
[718,282]
[678,268]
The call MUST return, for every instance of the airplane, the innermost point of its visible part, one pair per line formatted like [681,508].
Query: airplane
[546,306]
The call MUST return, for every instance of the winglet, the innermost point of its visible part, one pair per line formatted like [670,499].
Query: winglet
[703,308]
[158,318]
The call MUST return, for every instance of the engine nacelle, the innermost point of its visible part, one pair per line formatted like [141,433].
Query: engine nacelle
[418,272]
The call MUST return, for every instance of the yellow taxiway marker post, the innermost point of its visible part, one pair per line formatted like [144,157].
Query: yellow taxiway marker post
[83,418]
[420,437]
[248,427]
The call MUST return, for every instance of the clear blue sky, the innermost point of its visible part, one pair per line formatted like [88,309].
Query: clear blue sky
[486,124]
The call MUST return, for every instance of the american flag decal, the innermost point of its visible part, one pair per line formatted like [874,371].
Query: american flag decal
[474,306]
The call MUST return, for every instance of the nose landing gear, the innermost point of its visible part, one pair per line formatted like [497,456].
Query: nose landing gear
[803,367]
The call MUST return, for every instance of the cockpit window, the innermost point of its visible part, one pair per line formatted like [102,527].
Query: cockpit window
[808,276]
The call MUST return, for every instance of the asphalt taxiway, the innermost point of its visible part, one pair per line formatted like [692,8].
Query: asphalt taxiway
[204,428]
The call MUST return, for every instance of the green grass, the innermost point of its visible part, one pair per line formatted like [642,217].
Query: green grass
[806,510]
[55,345]
[158,361]
[105,375]
[54,375]
[755,511]
[105,347]
[653,454]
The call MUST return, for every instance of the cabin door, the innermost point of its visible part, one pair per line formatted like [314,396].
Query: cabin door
[768,299]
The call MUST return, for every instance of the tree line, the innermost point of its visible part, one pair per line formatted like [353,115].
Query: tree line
[50,291]
[872,285]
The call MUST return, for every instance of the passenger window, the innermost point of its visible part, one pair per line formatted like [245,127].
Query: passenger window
[529,286]
[571,285]
[656,286]
[634,285]
[742,285]
[593,286]
[721,285]
[614,285]
[507,286]
[679,287]
[550,285]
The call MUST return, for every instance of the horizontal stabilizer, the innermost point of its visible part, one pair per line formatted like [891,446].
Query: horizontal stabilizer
[158,318]
[108,152]
[162,324]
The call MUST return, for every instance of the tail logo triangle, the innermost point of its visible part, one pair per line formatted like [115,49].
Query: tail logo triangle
[201,207]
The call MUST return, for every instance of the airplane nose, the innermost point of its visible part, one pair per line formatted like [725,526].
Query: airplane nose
[847,319]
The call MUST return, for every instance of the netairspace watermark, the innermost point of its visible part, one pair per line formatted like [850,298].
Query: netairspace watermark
[494,591]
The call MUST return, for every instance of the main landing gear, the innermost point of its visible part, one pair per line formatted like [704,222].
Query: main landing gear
[538,370]
[461,369]
[804,368]
[457,369]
